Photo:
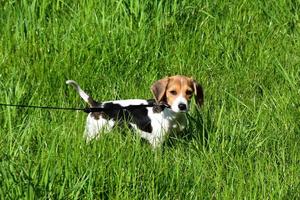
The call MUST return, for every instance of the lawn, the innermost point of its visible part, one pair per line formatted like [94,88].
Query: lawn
[243,144]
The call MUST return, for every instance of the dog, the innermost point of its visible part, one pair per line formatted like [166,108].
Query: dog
[148,118]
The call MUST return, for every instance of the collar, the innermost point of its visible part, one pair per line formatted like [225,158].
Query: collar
[160,106]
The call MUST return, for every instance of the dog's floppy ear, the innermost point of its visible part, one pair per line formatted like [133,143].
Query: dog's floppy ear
[199,95]
[159,89]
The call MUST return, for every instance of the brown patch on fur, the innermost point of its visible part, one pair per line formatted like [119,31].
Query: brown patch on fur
[96,115]
[159,88]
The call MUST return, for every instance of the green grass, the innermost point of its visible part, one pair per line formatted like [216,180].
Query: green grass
[243,144]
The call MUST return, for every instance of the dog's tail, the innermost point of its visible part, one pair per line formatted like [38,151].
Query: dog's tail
[88,99]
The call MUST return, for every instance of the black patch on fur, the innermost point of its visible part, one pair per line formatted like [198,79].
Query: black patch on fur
[134,114]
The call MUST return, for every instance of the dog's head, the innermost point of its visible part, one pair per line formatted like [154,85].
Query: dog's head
[176,91]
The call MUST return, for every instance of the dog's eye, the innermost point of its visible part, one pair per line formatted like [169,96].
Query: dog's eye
[189,92]
[173,92]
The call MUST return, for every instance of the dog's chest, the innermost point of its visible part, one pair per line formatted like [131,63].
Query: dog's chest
[167,121]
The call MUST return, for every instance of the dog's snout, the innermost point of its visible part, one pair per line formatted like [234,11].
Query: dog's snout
[182,106]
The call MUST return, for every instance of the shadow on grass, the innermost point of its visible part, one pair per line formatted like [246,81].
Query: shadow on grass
[198,129]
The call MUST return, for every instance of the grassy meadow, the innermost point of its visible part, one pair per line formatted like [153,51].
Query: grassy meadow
[243,144]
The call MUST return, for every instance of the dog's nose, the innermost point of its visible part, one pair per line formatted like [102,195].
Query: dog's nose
[182,106]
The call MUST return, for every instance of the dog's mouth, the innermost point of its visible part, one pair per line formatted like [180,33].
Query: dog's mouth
[182,111]
[179,108]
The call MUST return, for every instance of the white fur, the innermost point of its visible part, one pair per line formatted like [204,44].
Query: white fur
[163,123]
[128,102]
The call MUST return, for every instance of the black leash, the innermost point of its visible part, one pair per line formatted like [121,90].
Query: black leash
[88,110]
[40,107]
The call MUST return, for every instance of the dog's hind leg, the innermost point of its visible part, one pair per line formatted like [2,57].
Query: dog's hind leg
[95,126]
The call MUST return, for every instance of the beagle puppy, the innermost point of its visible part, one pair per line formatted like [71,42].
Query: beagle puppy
[146,117]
